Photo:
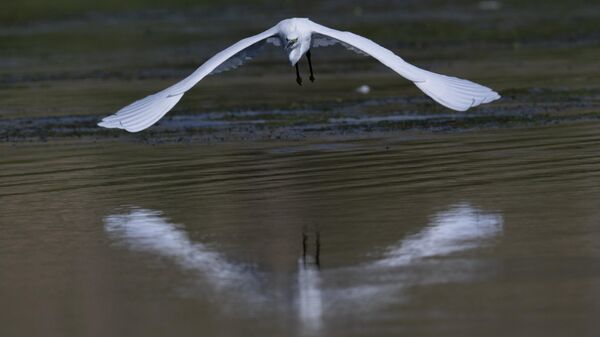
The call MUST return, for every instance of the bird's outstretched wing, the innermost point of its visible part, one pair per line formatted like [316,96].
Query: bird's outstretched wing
[245,55]
[141,114]
[318,40]
[451,92]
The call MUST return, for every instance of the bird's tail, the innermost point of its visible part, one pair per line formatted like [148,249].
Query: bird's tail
[455,93]
[141,114]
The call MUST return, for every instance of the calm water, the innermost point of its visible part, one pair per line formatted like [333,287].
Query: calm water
[489,233]
[418,233]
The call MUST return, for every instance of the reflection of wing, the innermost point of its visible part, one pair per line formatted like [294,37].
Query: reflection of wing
[451,92]
[147,230]
[141,114]
[458,229]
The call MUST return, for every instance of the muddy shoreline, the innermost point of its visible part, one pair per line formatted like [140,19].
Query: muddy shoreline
[361,118]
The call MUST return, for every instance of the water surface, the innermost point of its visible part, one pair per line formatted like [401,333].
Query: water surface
[475,233]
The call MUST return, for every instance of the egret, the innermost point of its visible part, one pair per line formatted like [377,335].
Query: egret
[298,36]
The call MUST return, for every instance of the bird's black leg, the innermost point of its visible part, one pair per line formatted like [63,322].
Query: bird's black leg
[298,78]
[312,76]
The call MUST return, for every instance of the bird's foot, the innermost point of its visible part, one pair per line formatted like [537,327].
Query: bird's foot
[299,80]
[312,78]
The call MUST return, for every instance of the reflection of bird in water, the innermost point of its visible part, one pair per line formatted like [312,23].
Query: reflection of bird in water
[306,258]
[458,229]
[297,37]
[310,298]
[146,230]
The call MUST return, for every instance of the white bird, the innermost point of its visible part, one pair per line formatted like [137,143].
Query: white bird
[297,36]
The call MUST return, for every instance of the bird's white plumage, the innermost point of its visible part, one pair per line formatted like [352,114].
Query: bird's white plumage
[451,92]
[319,40]
[141,114]
[295,36]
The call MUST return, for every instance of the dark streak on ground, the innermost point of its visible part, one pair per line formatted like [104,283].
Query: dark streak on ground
[361,118]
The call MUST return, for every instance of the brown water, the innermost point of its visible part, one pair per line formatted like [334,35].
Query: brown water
[490,233]
[278,210]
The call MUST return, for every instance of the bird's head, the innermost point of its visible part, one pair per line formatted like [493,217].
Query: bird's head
[292,47]
[294,38]
[291,41]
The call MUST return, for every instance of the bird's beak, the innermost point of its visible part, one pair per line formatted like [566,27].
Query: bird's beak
[291,43]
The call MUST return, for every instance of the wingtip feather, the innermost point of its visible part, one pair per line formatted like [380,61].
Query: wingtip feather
[455,93]
[141,114]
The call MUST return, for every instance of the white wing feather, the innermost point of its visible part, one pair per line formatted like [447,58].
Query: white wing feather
[451,92]
[318,40]
[141,114]
[240,58]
